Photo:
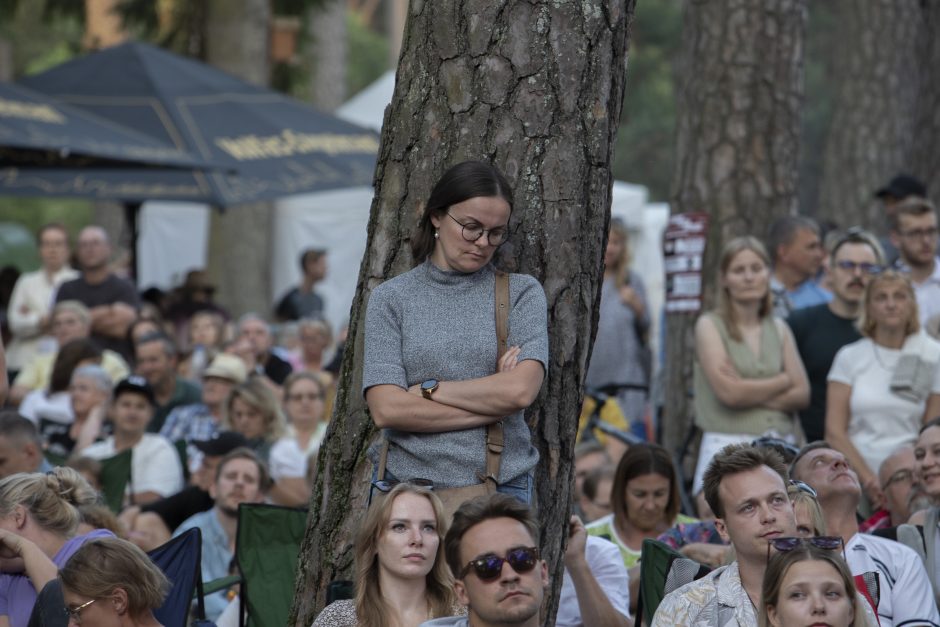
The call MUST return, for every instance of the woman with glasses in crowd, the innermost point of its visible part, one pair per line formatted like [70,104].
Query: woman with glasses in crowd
[883,387]
[110,582]
[304,400]
[430,375]
[809,585]
[748,377]
[39,519]
[402,578]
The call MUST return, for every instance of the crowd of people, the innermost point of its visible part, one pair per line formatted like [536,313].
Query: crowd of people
[816,392]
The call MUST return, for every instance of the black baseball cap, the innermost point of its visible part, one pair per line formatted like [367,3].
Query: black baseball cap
[902,186]
[222,443]
[135,385]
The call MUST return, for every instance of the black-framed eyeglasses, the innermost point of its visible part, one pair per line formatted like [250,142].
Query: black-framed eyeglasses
[788,543]
[928,233]
[490,567]
[386,485]
[74,614]
[802,486]
[472,231]
[905,474]
[865,267]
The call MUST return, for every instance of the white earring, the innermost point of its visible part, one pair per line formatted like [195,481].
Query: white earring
[437,234]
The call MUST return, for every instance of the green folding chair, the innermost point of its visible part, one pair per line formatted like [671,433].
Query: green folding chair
[267,549]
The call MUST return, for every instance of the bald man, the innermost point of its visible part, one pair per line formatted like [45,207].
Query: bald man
[112,300]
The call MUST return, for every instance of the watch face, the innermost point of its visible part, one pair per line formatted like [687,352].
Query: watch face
[430,384]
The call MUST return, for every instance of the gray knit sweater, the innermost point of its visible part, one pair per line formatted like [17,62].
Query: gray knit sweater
[431,324]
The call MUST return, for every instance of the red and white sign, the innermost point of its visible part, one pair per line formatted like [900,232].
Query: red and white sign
[683,251]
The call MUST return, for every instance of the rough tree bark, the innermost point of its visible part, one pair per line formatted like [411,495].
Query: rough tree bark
[738,123]
[878,70]
[240,238]
[924,160]
[537,88]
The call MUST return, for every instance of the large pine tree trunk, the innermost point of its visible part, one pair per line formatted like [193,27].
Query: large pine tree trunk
[537,88]
[879,75]
[240,239]
[738,129]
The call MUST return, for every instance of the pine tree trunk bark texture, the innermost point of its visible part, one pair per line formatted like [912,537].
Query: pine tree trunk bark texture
[878,73]
[536,87]
[738,123]
[924,160]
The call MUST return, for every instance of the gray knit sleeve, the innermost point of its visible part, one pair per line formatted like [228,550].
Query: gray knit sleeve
[528,319]
[382,359]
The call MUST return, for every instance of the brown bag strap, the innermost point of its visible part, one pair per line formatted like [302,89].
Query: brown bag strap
[494,431]
[383,460]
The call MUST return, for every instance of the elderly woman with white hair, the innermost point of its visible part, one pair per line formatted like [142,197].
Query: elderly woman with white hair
[90,392]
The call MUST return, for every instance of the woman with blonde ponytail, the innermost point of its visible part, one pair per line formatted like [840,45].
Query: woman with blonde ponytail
[402,578]
[38,521]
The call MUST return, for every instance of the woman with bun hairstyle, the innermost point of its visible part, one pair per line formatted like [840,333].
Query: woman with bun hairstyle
[38,520]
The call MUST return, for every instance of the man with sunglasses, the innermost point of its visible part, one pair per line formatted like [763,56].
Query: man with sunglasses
[746,487]
[820,331]
[492,549]
[906,594]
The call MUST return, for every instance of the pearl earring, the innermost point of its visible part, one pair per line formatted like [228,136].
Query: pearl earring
[437,234]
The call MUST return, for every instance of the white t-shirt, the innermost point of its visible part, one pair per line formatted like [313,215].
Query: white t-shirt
[155,464]
[906,594]
[880,421]
[604,561]
[286,459]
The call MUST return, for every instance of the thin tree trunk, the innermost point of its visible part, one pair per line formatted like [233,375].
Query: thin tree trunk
[878,72]
[738,127]
[327,30]
[240,239]
[924,160]
[537,88]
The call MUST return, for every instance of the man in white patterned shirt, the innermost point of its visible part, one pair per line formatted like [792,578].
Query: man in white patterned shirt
[746,487]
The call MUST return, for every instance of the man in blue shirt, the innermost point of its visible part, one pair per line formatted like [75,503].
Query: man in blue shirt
[240,478]
[797,253]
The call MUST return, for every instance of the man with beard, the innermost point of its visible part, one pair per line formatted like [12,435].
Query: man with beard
[906,594]
[820,331]
[241,477]
[112,300]
[914,232]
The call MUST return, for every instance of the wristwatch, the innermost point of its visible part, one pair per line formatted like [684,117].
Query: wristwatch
[428,388]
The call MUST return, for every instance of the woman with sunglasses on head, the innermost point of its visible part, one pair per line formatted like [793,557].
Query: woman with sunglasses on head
[402,578]
[620,359]
[809,516]
[809,585]
[39,520]
[430,375]
[748,377]
[110,582]
[883,387]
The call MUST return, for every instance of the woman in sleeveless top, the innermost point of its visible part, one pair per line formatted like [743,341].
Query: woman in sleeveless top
[748,376]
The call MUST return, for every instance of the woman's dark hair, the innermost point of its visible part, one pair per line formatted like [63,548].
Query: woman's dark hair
[67,360]
[470,179]
[639,460]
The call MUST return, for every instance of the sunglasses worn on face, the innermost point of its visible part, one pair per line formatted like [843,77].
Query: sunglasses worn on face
[490,567]
[787,544]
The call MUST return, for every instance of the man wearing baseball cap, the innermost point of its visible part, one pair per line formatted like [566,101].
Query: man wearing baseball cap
[156,470]
[152,524]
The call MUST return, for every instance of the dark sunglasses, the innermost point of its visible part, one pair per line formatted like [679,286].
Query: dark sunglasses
[490,567]
[803,487]
[787,544]
[785,449]
[383,485]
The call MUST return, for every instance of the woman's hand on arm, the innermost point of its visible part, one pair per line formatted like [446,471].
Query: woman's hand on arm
[502,394]
[36,564]
[729,387]
[837,434]
[394,408]
[797,395]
